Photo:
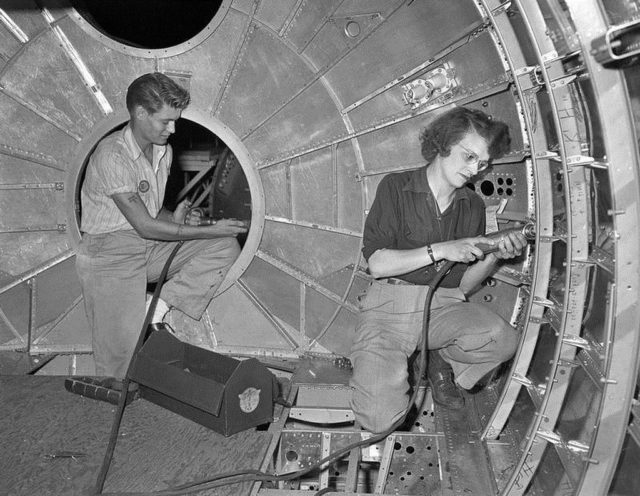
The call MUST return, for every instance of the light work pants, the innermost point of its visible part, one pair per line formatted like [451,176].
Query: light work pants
[469,336]
[114,270]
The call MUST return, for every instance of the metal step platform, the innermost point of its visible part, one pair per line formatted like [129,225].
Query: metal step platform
[439,453]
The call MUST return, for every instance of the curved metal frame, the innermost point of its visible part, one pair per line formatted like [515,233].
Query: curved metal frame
[544,228]
[623,350]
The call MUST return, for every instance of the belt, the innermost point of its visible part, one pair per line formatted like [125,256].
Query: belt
[398,282]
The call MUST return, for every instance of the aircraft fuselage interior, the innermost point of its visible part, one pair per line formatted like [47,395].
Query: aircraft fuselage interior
[299,108]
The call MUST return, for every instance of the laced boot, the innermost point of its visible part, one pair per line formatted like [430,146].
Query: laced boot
[444,390]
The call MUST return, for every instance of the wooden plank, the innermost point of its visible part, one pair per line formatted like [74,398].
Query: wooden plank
[156,448]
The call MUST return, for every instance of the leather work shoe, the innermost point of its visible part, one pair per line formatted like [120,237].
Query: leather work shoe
[158,326]
[444,390]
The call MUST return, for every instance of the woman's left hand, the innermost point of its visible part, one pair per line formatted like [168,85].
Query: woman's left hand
[511,245]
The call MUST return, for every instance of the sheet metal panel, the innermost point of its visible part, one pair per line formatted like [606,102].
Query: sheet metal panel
[254,328]
[48,82]
[35,207]
[308,18]
[321,312]
[579,419]
[214,57]
[394,147]
[313,189]
[265,75]
[473,74]
[410,34]
[34,193]
[551,481]
[9,45]
[337,334]
[321,188]
[342,33]
[307,248]
[21,13]
[245,6]
[14,321]
[276,181]
[111,69]
[275,14]
[32,138]
[22,251]
[595,319]
[349,200]
[277,291]
[307,120]
[20,171]
[602,229]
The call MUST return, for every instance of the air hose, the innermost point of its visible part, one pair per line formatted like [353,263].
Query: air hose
[528,230]
[115,427]
[255,475]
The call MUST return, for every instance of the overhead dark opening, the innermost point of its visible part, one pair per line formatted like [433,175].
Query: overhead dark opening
[149,24]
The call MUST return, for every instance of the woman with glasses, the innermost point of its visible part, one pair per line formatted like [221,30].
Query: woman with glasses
[419,219]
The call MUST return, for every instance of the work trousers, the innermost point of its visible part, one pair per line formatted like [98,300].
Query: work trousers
[469,336]
[114,271]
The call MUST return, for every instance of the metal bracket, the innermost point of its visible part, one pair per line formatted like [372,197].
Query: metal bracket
[545,302]
[602,258]
[550,437]
[576,341]
[618,43]
[525,381]
[580,160]
[319,415]
[563,81]
[434,84]
[547,154]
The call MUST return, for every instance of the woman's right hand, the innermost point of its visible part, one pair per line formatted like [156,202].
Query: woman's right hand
[461,250]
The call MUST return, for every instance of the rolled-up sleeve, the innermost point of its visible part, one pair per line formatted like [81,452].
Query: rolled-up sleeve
[114,174]
[383,220]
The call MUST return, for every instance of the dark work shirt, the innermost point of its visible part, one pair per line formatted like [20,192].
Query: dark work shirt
[404,215]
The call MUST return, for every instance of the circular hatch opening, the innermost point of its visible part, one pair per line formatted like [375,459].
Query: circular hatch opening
[148,24]
[204,170]
[231,188]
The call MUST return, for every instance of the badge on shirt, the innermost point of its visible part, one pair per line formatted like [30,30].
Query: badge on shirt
[143,187]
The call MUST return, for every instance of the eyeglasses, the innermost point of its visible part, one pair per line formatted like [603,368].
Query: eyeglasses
[472,158]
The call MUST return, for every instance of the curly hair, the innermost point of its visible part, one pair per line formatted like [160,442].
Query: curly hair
[154,89]
[450,128]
